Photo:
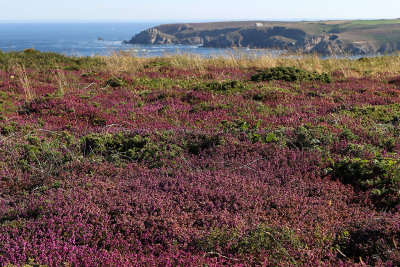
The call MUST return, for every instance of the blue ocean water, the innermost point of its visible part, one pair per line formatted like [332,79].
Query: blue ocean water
[82,39]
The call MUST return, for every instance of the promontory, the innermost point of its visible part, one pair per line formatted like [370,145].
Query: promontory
[321,37]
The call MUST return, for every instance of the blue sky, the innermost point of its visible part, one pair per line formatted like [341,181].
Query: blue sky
[195,10]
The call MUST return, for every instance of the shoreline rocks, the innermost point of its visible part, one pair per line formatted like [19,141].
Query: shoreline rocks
[259,35]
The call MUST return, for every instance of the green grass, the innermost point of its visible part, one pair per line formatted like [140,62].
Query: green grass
[40,61]
[378,114]
[7,103]
[374,22]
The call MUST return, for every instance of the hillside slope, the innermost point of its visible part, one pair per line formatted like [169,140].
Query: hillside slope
[322,37]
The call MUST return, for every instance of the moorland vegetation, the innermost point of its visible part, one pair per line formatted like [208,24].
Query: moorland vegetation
[185,160]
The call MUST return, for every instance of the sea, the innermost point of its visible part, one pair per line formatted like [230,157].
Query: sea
[91,39]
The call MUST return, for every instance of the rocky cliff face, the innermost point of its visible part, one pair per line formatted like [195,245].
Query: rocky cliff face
[259,37]
[153,36]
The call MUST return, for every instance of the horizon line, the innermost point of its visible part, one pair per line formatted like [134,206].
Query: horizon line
[185,20]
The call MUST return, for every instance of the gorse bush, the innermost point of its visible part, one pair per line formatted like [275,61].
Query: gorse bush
[222,86]
[129,146]
[290,74]
[280,244]
[379,176]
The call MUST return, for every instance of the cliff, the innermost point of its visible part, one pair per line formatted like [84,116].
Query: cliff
[322,37]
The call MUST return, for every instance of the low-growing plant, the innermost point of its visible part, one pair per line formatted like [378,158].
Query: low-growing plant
[131,147]
[395,81]
[200,142]
[7,103]
[290,74]
[44,61]
[364,242]
[158,63]
[8,128]
[237,125]
[308,136]
[347,134]
[43,155]
[279,244]
[158,174]
[115,82]
[379,176]
[354,150]
[381,113]
[222,86]
[265,95]
[254,133]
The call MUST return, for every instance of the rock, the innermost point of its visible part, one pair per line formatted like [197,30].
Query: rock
[264,35]
[152,36]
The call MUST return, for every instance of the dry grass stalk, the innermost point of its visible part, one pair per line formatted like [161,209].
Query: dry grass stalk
[124,61]
[20,70]
[128,62]
[62,82]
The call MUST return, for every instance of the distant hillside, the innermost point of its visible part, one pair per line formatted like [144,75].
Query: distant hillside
[323,37]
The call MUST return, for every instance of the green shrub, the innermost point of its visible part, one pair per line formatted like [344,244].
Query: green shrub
[115,82]
[9,128]
[355,150]
[236,125]
[265,95]
[365,240]
[308,136]
[279,243]
[290,74]
[381,113]
[254,133]
[305,138]
[48,156]
[379,176]
[222,87]
[347,134]
[198,143]
[130,146]
[43,61]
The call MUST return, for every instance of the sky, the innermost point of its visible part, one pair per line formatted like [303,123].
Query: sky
[195,10]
